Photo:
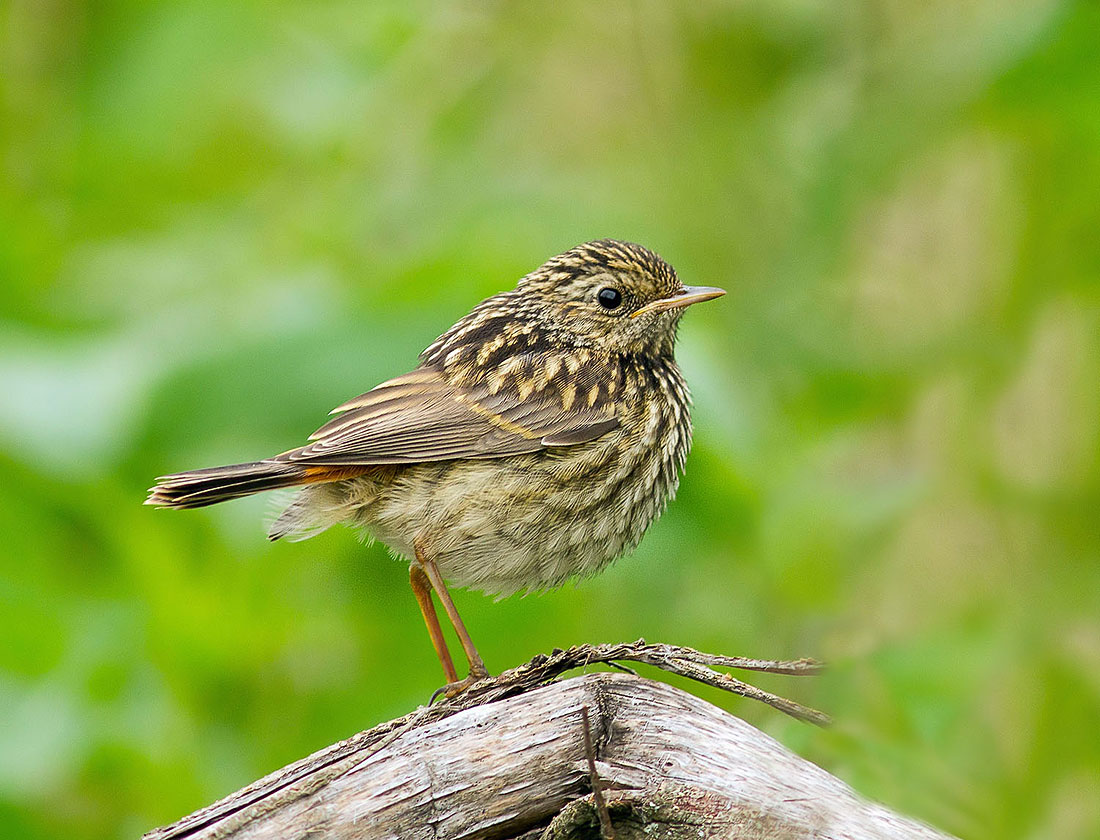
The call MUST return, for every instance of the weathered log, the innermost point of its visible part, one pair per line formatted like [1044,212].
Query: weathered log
[668,764]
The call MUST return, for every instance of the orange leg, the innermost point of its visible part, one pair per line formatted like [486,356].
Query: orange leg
[477,666]
[422,589]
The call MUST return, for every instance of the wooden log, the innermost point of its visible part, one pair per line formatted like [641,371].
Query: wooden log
[668,764]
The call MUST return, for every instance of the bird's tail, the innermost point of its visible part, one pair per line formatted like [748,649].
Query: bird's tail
[198,488]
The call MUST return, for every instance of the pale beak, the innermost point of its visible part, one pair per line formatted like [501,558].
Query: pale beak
[686,297]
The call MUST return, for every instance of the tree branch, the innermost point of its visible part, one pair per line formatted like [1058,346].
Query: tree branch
[510,758]
[684,661]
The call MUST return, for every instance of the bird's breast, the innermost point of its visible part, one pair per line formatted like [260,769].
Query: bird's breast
[533,521]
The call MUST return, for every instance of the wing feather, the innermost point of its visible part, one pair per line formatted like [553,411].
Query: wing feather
[420,416]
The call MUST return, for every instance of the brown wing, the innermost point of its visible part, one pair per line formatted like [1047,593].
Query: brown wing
[422,417]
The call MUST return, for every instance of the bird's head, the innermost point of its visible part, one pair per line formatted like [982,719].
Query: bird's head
[615,295]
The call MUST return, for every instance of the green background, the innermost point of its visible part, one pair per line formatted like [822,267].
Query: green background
[218,220]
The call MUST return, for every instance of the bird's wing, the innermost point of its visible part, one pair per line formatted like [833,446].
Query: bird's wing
[420,416]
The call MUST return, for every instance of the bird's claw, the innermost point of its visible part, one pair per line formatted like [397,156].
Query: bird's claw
[456,688]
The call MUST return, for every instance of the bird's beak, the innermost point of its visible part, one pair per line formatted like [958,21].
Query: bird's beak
[686,297]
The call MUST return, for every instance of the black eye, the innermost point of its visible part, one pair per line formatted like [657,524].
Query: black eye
[609,298]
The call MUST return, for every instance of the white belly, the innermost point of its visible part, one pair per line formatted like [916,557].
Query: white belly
[529,522]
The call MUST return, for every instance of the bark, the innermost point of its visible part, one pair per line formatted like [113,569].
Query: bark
[509,761]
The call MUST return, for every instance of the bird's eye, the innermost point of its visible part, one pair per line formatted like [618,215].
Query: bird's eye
[609,298]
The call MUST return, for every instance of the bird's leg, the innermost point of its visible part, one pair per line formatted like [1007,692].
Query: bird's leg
[422,589]
[478,671]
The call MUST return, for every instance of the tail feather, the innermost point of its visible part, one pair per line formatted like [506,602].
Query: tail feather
[198,488]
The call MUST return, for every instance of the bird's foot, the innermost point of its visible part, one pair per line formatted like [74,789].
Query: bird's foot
[453,689]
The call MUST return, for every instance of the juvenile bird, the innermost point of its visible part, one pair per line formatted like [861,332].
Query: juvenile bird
[535,441]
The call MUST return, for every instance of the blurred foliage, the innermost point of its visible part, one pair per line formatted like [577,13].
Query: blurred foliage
[217,220]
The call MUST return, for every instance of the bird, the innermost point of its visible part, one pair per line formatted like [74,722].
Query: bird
[535,442]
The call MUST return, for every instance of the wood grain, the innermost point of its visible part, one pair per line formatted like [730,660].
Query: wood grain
[670,764]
